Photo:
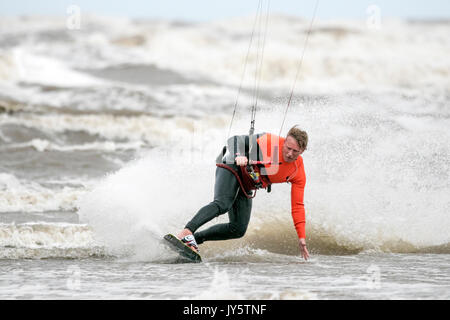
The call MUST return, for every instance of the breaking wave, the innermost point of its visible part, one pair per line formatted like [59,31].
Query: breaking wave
[23,196]
[341,55]
[47,240]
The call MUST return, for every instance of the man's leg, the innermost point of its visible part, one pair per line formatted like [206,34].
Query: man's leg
[239,216]
[225,190]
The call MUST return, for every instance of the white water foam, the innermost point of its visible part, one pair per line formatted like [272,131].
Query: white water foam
[34,235]
[26,196]
[148,128]
[47,240]
[20,66]
[341,55]
[133,208]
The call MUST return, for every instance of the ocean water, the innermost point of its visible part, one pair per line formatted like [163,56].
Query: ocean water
[109,133]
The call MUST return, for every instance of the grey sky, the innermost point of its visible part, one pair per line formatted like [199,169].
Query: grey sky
[204,10]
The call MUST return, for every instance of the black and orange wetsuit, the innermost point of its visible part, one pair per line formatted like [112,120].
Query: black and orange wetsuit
[228,196]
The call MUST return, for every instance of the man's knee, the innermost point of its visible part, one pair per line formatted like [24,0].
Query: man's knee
[238,231]
[224,205]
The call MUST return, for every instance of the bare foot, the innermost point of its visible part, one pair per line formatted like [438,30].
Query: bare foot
[184,233]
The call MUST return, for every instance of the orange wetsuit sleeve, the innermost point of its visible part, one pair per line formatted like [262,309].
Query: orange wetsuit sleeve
[297,204]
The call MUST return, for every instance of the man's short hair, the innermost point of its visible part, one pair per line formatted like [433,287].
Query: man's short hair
[300,136]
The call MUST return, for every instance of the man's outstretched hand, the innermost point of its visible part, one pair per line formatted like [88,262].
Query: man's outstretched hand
[303,250]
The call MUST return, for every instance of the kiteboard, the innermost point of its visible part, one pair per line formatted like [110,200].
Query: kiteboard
[183,250]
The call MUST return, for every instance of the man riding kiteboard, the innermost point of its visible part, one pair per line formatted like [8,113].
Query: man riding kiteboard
[248,163]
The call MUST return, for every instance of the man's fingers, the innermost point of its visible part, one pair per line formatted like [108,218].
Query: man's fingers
[304,252]
[305,255]
[241,161]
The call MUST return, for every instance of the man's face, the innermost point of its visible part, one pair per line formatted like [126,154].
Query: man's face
[291,149]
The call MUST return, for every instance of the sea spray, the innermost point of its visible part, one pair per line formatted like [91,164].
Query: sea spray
[132,209]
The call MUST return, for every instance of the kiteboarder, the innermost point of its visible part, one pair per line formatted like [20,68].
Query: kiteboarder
[248,163]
